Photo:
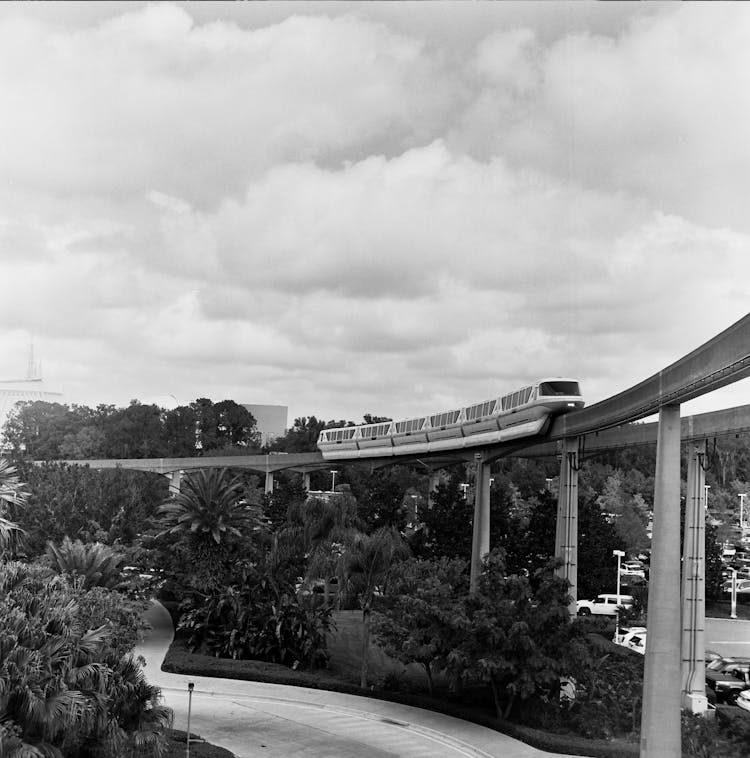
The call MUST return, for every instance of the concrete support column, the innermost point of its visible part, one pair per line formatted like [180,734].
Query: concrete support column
[480,543]
[660,726]
[306,480]
[269,482]
[175,480]
[432,486]
[566,532]
[694,587]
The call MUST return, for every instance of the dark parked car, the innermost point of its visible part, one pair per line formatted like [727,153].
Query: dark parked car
[724,686]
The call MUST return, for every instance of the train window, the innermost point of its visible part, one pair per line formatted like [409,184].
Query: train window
[559,389]
[443,419]
[506,402]
[526,394]
[412,425]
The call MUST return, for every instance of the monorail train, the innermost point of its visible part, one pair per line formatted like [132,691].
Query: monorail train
[523,413]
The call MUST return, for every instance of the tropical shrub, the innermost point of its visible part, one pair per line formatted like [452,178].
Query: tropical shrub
[96,564]
[65,690]
[257,620]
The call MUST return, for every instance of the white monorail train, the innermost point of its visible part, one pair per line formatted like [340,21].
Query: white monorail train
[523,413]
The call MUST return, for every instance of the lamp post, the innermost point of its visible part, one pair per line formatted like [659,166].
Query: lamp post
[742,497]
[333,481]
[620,555]
[190,704]
[733,612]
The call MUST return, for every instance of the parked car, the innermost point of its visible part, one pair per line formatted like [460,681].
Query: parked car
[725,687]
[743,586]
[736,667]
[630,567]
[633,639]
[743,700]
[605,604]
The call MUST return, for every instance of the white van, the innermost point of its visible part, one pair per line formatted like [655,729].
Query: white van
[604,605]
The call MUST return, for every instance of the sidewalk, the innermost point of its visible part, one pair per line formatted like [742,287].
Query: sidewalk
[254,719]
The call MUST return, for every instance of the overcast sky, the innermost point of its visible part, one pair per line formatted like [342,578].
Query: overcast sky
[389,208]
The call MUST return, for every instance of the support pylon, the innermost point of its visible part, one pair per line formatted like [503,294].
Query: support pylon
[694,587]
[660,723]
[480,543]
[566,530]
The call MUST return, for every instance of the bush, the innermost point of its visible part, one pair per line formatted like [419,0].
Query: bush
[723,736]
[257,620]
[67,691]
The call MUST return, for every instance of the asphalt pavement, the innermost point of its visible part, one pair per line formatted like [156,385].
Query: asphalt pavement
[253,719]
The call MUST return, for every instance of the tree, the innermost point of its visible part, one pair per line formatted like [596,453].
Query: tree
[108,506]
[380,494]
[211,514]
[287,492]
[235,425]
[367,559]
[448,522]
[414,621]
[513,638]
[37,428]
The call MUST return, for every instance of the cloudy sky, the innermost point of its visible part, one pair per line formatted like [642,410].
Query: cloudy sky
[361,207]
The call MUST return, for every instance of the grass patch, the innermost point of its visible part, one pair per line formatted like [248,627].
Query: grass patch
[198,749]
[722,610]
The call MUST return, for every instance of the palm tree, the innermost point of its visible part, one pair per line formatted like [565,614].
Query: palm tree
[12,495]
[97,564]
[65,691]
[366,561]
[211,514]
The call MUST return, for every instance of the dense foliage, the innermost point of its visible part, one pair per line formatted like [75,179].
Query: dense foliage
[114,506]
[67,690]
[256,618]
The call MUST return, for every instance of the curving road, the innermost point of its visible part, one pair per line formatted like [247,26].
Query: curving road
[253,719]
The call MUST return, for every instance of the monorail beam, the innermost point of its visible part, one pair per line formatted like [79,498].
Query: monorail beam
[694,587]
[660,726]
[723,423]
[566,533]
[718,362]
[480,543]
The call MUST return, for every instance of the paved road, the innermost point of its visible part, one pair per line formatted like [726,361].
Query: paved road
[254,719]
[730,637]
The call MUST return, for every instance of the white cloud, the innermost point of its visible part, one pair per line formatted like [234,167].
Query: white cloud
[348,211]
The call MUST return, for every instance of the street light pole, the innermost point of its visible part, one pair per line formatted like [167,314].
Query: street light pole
[333,481]
[742,497]
[620,554]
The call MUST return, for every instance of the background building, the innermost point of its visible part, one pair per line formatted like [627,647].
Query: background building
[270,421]
[33,387]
